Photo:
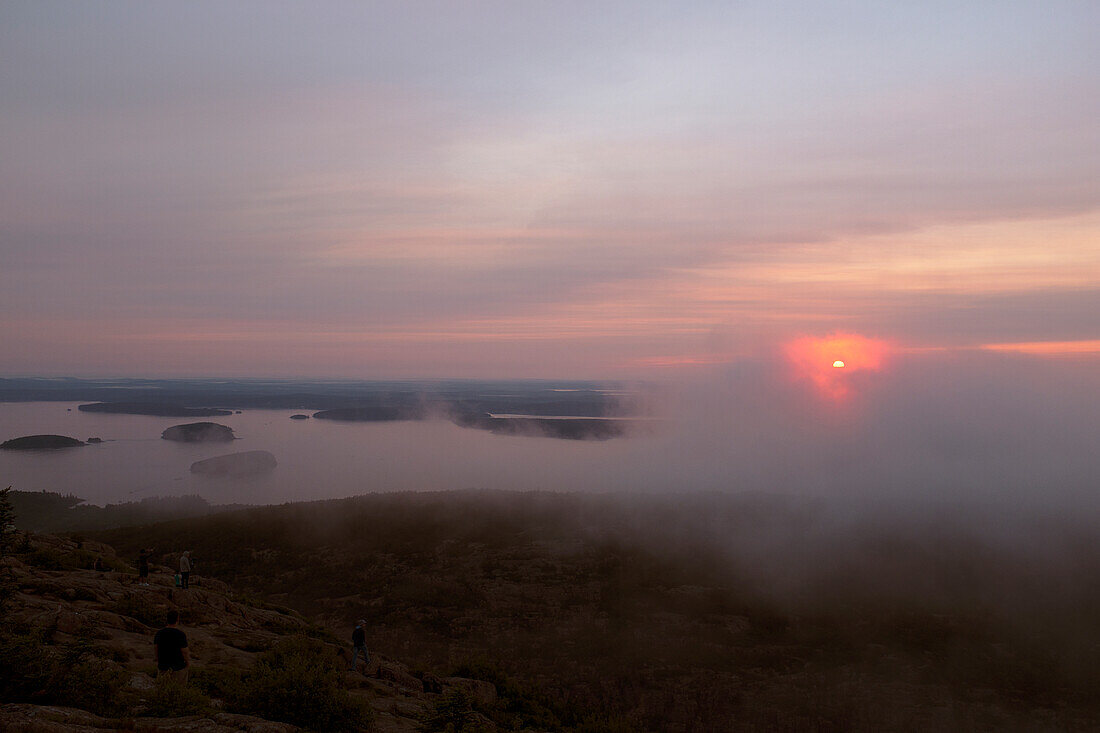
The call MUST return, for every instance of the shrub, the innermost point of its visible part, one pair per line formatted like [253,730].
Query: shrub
[45,558]
[515,702]
[297,682]
[605,724]
[27,667]
[223,683]
[172,699]
[94,685]
[452,713]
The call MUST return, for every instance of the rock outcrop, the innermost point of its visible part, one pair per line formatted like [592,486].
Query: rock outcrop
[245,463]
[118,615]
[41,442]
[199,432]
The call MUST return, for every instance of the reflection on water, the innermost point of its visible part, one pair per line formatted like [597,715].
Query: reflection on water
[316,458]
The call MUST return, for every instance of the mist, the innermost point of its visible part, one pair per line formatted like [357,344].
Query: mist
[969,428]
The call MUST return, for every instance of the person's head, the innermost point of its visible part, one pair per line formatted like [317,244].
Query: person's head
[173,617]
[361,622]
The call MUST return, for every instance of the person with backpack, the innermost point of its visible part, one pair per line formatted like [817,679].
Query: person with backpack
[185,568]
[359,644]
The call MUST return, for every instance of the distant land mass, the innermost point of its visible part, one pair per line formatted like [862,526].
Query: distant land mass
[43,511]
[41,442]
[510,407]
[199,432]
[161,409]
[377,413]
[577,428]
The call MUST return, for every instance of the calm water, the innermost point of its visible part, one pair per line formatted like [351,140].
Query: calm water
[317,458]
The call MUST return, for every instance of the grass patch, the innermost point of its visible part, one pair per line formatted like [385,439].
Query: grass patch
[171,699]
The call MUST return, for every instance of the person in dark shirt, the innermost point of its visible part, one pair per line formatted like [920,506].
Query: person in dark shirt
[170,649]
[143,566]
[359,644]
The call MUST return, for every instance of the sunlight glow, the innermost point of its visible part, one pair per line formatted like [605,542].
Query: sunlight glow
[814,358]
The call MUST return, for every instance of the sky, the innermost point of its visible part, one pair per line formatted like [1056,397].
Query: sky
[558,190]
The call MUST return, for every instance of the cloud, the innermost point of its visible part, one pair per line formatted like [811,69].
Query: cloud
[398,168]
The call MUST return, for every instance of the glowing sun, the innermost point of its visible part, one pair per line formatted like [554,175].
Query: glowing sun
[815,359]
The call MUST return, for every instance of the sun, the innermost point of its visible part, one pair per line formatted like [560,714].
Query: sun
[830,362]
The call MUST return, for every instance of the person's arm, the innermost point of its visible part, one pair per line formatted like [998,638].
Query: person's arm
[186,656]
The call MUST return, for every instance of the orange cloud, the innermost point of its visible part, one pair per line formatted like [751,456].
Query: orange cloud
[1047,348]
[830,361]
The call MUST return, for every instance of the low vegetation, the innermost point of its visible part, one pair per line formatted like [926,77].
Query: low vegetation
[41,511]
[686,613]
[297,682]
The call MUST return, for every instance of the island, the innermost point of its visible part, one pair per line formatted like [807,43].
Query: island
[299,417]
[568,428]
[159,409]
[245,463]
[41,442]
[374,413]
[199,432]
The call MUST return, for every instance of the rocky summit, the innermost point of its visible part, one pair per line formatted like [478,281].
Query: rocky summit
[78,651]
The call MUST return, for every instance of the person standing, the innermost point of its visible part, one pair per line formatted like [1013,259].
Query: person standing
[170,650]
[143,566]
[185,568]
[359,644]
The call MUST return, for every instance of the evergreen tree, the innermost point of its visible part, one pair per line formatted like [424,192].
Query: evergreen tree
[7,540]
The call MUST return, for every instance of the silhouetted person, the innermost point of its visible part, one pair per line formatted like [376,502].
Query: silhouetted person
[170,650]
[359,644]
[185,568]
[143,566]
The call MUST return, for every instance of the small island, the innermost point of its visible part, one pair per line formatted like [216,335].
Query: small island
[573,428]
[41,442]
[245,463]
[299,417]
[199,432]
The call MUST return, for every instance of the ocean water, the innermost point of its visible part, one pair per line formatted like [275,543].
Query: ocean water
[317,459]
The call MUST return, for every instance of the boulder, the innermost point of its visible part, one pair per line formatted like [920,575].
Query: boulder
[399,678]
[245,463]
[199,432]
